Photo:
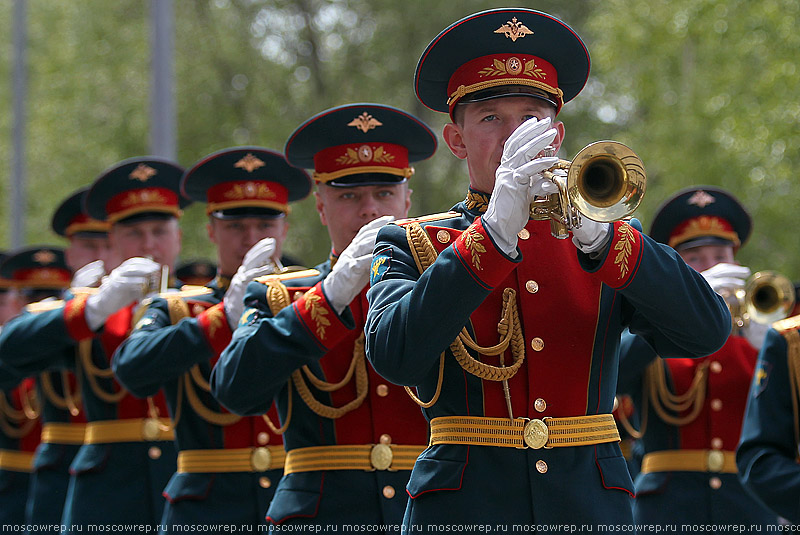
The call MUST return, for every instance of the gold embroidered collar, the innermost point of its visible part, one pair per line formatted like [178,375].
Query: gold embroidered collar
[222,282]
[476,201]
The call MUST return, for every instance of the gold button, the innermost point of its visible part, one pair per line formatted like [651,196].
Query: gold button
[197,309]
[715,483]
[382,390]
[443,236]
[386,439]
[297,295]
[260,459]
[523,234]
[541,466]
[264,482]
[716,404]
[540,404]
[380,457]
[532,286]
[537,344]
[388,492]
[716,366]
[716,443]
[154,452]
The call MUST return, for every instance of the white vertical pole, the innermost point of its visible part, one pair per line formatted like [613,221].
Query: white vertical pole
[17,198]
[162,98]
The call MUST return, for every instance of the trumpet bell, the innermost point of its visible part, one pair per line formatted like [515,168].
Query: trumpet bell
[606,181]
[770,297]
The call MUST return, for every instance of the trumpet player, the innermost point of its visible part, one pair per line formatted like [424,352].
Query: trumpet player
[228,466]
[350,438]
[26,471]
[768,448]
[507,336]
[127,455]
[690,409]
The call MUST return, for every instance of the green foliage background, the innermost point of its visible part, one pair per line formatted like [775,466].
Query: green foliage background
[704,91]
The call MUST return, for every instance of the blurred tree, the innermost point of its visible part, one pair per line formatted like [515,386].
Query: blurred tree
[704,91]
[700,89]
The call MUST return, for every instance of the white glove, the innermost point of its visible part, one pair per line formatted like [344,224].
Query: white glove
[351,272]
[755,333]
[730,277]
[257,262]
[127,283]
[591,236]
[89,275]
[518,180]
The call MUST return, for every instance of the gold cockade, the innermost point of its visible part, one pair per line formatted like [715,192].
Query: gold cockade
[514,29]
[365,122]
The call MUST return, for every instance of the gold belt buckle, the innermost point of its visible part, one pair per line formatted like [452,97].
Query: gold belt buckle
[381,456]
[151,429]
[535,433]
[261,459]
[715,461]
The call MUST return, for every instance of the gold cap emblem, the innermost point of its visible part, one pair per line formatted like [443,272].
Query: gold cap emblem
[249,163]
[514,29]
[365,122]
[143,173]
[44,257]
[701,198]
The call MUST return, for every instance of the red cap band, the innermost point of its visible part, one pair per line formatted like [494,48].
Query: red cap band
[137,201]
[355,158]
[245,193]
[504,69]
[704,225]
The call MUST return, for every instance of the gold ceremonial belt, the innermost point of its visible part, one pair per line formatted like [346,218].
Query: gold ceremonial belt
[16,461]
[63,433]
[523,432]
[690,461]
[366,457]
[129,430]
[233,460]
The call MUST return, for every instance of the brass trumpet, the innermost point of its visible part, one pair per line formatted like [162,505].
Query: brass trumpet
[766,297]
[158,282]
[604,182]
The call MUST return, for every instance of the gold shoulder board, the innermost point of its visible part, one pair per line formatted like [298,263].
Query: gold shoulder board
[187,290]
[83,290]
[287,276]
[172,298]
[44,306]
[787,324]
[427,218]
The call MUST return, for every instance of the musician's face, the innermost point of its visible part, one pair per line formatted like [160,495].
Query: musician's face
[234,237]
[481,130]
[159,239]
[345,210]
[707,256]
